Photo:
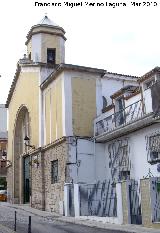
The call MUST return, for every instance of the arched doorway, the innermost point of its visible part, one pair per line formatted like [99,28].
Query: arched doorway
[21,163]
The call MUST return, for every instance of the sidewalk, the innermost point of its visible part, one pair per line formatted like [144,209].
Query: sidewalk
[82,221]
[4,229]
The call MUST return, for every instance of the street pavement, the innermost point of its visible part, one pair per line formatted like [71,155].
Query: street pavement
[46,222]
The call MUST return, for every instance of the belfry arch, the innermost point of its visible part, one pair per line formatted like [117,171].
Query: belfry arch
[22,129]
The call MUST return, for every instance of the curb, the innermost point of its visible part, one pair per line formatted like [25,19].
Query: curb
[109,226]
[86,222]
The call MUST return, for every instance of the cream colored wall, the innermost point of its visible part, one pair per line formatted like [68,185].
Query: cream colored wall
[52,41]
[26,93]
[83,105]
[53,111]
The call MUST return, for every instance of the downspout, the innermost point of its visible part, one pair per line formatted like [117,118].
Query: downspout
[43,179]
[77,160]
[94,153]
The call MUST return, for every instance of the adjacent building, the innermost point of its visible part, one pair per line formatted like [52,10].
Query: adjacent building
[3,146]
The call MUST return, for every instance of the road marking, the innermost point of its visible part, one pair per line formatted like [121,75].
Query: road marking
[6,229]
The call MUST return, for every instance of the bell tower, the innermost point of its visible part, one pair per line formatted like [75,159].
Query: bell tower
[46,42]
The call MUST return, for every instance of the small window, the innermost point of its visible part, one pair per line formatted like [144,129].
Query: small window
[104,101]
[54,171]
[154,149]
[3,163]
[51,56]
[124,175]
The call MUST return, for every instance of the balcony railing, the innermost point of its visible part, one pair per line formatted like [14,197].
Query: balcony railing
[123,117]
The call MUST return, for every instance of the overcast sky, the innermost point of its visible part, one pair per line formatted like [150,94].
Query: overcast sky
[122,39]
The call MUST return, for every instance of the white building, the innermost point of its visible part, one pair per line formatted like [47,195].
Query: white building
[126,149]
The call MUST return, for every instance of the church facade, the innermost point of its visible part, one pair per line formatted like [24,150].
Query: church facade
[76,133]
[51,106]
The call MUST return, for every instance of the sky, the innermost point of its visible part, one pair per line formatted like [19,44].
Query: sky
[124,39]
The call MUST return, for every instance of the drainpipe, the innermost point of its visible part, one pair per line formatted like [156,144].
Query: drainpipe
[43,179]
[30,160]
[77,159]
[94,152]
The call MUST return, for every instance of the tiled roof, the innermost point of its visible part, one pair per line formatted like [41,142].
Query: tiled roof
[149,74]
[126,75]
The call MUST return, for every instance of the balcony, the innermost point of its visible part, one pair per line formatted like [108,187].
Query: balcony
[134,116]
[125,116]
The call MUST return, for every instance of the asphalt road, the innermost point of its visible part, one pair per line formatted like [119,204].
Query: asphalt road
[41,224]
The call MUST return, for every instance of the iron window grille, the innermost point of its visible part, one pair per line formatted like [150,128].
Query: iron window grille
[154,149]
[54,171]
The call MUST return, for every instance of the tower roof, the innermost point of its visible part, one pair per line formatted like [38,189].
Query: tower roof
[47,21]
[47,24]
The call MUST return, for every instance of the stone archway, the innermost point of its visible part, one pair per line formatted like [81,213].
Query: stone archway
[22,129]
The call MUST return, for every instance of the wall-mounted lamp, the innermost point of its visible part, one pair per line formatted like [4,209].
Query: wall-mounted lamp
[9,163]
[78,163]
[26,142]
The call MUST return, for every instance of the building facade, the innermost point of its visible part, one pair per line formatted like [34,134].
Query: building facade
[3,146]
[48,118]
[71,124]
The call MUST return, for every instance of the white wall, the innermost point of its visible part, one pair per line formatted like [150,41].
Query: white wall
[92,168]
[85,154]
[139,152]
[132,100]
[148,100]
[101,167]
[137,155]
[67,103]
[112,84]
[36,48]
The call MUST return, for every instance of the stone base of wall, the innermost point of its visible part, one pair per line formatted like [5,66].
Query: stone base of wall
[54,193]
[37,191]
[146,202]
[45,195]
[125,203]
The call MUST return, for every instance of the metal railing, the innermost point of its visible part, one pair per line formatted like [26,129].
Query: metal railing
[98,199]
[125,116]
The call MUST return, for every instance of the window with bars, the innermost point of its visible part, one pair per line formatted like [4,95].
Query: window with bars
[54,171]
[154,149]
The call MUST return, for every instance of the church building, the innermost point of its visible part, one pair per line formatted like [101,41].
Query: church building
[51,107]
[82,141]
